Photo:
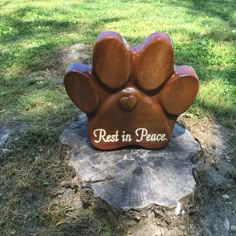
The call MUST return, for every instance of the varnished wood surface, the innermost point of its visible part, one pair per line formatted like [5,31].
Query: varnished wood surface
[111,60]
[78,87]
[180,90]
[144,115]
[128,88]
[154,61]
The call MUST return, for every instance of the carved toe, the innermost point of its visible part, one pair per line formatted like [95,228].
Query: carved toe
[81,88]
[180,90]
[111,60]
[154,61]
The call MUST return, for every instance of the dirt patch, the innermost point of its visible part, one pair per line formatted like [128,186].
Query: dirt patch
[50,74]
[78,52]
[215,204]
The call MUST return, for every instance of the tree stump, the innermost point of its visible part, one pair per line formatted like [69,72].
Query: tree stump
[132,177]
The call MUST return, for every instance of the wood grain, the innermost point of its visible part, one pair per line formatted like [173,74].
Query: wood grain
[111,60]
[180,90]
[111,117]
[81,88]
[154,61]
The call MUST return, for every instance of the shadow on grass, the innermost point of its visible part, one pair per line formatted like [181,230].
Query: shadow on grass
[23,29]
[4,3]
[221,10]
[218,9]
[48,35]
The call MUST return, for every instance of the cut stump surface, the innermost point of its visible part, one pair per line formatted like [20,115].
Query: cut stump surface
[134,177]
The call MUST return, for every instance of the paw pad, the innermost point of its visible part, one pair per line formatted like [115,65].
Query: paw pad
[131,95]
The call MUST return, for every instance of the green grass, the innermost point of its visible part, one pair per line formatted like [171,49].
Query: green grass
[34,33]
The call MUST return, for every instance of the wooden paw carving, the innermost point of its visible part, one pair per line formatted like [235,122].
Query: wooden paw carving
[131,95]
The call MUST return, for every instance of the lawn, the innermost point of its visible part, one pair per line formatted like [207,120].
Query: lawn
[33,35]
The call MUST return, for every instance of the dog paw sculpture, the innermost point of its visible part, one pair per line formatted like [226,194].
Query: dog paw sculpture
[131,95]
